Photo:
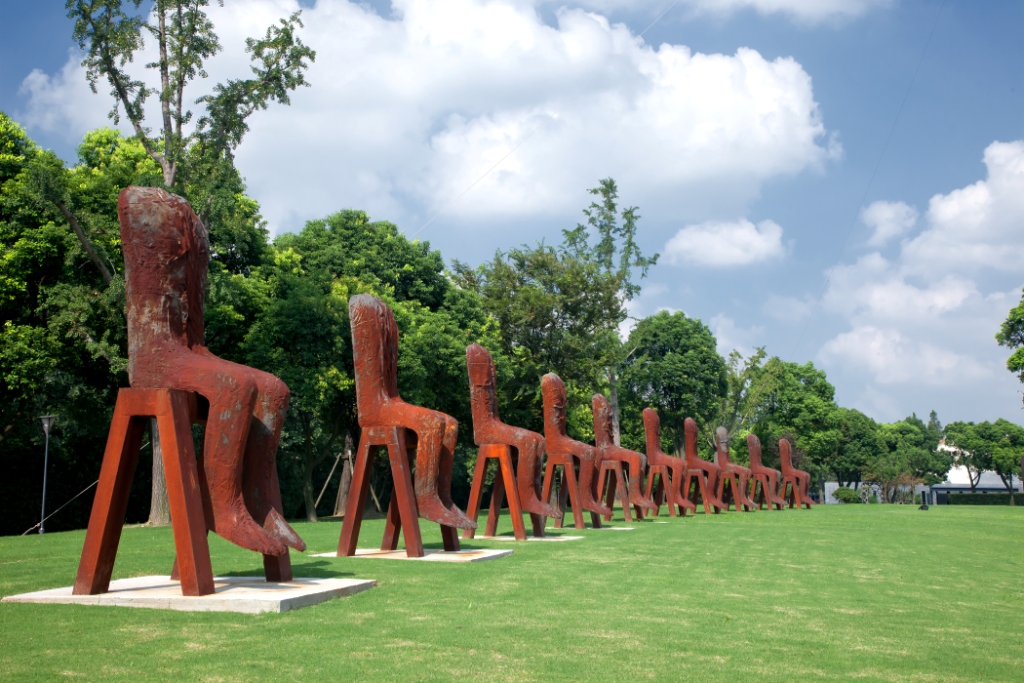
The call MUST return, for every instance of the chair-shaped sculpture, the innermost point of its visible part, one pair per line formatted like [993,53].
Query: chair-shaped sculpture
[519,484]
[671,471]
[562,452]
[736,476]
[386,420]
[796,483]
[767,477]
[612,458]
[706,473]
[232,488]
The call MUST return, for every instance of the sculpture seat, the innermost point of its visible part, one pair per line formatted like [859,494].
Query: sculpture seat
[386,421]
[519,453]
[705,473]
[568,454]
[796,483]
[671,471]
[737,476]
[612,458]
[767,477]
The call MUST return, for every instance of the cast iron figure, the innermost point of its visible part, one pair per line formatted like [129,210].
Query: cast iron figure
[766,476]
[737,476]
[798,480]
[562,450]
[671,470]
[706,473]
[166,257]
[499,441]
[612,458]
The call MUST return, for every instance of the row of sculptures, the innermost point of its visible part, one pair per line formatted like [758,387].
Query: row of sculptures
[230,487]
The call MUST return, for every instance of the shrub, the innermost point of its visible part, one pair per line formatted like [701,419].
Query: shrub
[982,498]
[846,495]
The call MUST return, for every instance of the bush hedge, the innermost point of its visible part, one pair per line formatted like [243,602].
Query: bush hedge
[983,498]
[846,495]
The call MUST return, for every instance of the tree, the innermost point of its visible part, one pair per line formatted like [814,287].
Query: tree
[1011,334]
[860,445]
[674,368]
[996,446]
[971,449]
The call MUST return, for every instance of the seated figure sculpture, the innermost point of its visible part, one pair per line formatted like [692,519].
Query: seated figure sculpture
[797,481]
[166,256]
[496,439]
[737,476]
[672,470]
[561,451]
[767,477]
[375,356]
[612,458]
[706,473]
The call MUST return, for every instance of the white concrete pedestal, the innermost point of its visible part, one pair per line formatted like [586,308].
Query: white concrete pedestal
[249,594]
[430,555]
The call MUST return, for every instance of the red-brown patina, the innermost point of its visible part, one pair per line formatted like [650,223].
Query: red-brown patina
[796,484]
[671,470]
[562,451]
[612,459]
[737,476]
[767,477]
[387,420]
[166,257]
[503,442]
[706,473]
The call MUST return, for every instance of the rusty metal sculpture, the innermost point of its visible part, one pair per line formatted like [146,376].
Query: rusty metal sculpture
[737,476]
[503,442]
[706,473]
[562,452]
[671,471]
[612,459]
[388,421]
[232,489]
[767,477]
[796,483]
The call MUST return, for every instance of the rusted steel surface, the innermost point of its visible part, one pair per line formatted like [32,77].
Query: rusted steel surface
[504,443]
[737,476]
[705,473]
[386,420]
[562,451]
[166,256]
[767,477]
[608,452]
[796,484]
[671,470]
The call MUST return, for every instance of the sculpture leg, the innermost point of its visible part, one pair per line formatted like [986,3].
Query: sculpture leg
[589,495]
[531,454]
[476,491]
[636,473]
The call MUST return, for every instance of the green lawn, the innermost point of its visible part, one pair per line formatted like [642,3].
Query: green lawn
[866,592]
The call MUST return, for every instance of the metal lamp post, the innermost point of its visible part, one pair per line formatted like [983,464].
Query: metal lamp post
[47,421]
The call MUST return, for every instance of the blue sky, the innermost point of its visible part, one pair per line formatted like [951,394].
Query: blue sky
[748,132]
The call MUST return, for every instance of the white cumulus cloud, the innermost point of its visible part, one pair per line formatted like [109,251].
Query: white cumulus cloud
[804,11]
[407,111]
[723,245]
[888,220]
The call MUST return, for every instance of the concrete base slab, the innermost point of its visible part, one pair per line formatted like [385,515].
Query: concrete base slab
[429,555]
[552,539]
[247,594]
[614,528]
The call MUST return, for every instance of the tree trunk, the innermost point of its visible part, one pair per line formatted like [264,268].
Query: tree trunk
[341,502]
[159,508]
[613,392]
[308,496]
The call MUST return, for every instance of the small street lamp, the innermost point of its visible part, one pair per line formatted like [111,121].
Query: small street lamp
[47,421]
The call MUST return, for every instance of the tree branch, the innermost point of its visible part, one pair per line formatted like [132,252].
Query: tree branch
[73,222]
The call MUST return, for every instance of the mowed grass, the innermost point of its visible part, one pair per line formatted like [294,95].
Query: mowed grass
[864,592]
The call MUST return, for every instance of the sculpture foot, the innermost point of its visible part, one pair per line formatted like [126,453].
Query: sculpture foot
[431,507]
[599,509]
[279,529]
[232,522]
[537,507]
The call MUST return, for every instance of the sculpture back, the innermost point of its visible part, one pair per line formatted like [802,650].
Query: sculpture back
[652,430]
[553,390]
[483,387]
[374,353]
[602,411]
[754,447]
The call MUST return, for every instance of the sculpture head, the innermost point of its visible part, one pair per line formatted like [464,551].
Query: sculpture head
[374,351]
[785,453]
[754,447]
[652,430]
[602,411]
[690,428]
[555,404]
[482,386]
